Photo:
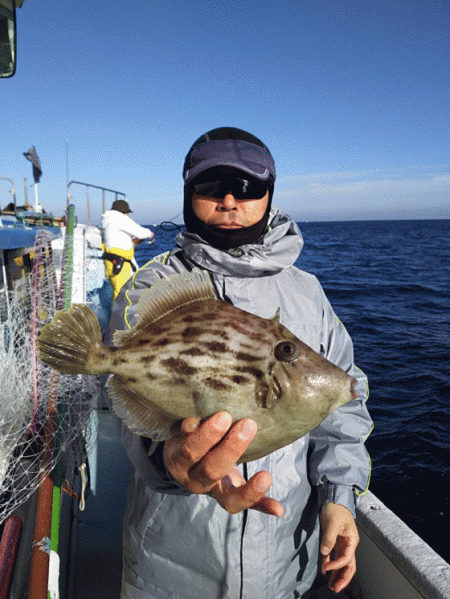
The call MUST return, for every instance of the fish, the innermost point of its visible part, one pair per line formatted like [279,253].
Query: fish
[190,354]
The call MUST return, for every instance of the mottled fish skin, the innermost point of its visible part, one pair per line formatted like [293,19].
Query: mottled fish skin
[210,351]
[204,356]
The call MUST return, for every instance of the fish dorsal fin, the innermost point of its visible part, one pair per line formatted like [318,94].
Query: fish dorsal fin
[276,318]
[165,296]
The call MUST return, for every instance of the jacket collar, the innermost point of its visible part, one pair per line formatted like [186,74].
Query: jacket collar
[280,248]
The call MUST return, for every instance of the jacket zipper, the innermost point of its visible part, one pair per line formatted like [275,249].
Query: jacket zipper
[244,523]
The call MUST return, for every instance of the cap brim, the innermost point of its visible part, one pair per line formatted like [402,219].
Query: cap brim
[256,171]
[247,157]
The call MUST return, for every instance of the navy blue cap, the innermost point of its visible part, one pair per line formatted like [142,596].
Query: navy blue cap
[253,159]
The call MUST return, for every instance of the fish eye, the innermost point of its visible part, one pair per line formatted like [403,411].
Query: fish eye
[286,351]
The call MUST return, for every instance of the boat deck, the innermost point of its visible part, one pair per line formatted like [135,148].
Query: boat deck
[98,545]
[406,567]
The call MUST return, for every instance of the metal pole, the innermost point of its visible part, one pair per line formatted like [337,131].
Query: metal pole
[36,199]
[88,205]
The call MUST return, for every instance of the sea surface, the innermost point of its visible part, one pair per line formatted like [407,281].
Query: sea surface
[389,283]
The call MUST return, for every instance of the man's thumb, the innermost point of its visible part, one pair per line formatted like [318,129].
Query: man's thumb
[328,540]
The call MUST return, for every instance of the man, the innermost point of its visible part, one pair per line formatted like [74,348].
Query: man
[120,235]
[187,530]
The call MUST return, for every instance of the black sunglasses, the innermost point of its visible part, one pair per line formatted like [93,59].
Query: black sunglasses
[242,189]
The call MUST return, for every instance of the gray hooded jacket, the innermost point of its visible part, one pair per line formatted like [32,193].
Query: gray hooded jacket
[179,545]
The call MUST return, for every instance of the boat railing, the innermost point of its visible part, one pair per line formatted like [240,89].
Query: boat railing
[88,187]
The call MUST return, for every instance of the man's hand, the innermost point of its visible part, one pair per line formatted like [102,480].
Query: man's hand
[203,459]
[339,541]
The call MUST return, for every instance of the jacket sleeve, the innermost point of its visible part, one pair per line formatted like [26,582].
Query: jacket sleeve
[128,225]
[339,464]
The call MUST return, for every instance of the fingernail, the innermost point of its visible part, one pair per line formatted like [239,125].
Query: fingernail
[247,429]
[189,425]
[222,421]
[262,486]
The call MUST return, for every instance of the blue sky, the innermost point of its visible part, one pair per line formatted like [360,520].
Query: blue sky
[351,97]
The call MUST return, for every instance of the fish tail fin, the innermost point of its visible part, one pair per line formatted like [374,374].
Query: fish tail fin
[72,342]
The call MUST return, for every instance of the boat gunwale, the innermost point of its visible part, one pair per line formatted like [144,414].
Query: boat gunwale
[418,563]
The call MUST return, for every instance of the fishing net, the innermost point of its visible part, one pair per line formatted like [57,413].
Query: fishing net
[41,412]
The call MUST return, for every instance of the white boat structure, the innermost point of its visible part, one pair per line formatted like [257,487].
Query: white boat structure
[61,536]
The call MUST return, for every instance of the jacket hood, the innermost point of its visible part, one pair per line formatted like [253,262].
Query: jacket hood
[280,248]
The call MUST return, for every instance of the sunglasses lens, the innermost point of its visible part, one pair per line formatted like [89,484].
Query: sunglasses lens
[252,189]
[242,189]
[208,189]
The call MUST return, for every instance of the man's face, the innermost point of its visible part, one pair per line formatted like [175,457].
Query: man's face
[228,211]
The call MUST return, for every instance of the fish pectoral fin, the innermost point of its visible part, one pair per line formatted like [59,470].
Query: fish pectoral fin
[264,392]
[138,416]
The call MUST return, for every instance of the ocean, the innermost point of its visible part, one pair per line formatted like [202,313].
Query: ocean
[389,283]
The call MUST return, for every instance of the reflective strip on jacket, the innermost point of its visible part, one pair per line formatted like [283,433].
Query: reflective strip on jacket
[179,545]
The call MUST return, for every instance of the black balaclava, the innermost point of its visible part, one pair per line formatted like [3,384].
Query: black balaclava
[232,147]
